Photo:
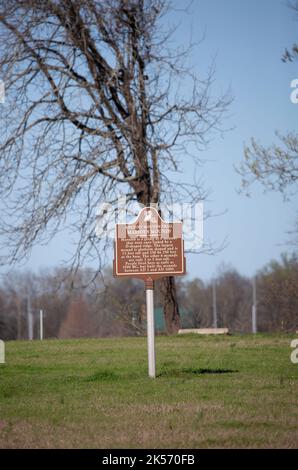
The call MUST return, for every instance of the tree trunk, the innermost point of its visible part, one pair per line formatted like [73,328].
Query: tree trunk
[147,194]
[170,304]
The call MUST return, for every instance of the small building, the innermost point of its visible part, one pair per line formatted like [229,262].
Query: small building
[186,319]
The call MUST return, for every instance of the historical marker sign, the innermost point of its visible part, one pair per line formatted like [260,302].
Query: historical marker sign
[149,248]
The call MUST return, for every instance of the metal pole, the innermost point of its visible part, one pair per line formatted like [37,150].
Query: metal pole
[150,329]
[254,306]
[214,305]
[29,318]
[41,324]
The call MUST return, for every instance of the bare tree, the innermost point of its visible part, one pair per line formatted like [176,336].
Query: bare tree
[292,54]
[121,305]
[18,288]
[194,298]
[234,299]
[275,167]
[95,107]
[278,295]
[78,322]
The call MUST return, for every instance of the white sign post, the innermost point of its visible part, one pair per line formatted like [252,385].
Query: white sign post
[41,324]
[150,329]
[149,249]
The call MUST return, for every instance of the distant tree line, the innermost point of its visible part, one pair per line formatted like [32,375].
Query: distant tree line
[87,305]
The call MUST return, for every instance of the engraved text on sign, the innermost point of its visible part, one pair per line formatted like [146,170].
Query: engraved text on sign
[149,247]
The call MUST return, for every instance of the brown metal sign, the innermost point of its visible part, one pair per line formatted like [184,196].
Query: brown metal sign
[149,248]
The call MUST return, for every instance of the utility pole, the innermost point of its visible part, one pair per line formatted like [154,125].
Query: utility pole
[29,317]
[19,315]
[214,305]
[254,306]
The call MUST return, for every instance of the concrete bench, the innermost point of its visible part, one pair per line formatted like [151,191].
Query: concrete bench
[204,331]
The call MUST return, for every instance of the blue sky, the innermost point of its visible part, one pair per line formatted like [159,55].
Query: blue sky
[248,38]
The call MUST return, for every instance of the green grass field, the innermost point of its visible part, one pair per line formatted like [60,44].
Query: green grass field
[234,391]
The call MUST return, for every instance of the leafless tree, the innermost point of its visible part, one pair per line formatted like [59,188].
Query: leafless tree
[278,295]
[274,166]
[18,288]
[96,106]
[233,295]
[194,298]
[292,54]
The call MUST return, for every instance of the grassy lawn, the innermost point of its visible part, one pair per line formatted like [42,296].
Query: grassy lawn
[234,391]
